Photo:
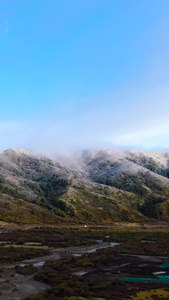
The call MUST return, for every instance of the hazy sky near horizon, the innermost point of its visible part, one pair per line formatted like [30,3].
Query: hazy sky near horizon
[79,74]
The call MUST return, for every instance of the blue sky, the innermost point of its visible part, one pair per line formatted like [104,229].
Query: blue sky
[79,74]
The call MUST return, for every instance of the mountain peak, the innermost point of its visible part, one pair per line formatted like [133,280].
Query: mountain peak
[116,181]
[18,151]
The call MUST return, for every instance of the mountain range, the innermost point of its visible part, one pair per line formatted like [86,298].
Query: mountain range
[93,186]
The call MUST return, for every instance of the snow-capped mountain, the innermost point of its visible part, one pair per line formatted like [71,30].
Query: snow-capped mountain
[95,185]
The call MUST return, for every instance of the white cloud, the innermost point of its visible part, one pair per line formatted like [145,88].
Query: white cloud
[131,118]
[149,136]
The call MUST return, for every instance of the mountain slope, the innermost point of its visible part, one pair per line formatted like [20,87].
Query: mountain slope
[143,173]
[95,186]
[14,210]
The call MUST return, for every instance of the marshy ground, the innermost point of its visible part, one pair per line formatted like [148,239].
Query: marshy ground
[84,262]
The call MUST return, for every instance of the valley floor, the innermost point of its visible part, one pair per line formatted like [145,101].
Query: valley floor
[85,262]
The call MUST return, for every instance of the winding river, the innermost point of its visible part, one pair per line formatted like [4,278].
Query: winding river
[15,286]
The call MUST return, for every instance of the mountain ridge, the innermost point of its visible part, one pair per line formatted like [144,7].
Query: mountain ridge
[101,186]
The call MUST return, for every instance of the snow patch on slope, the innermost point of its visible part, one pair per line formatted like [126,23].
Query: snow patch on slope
[160,158]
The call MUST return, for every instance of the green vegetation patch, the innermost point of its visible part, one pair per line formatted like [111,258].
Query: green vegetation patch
[151,294]
[11,254]
[81,298]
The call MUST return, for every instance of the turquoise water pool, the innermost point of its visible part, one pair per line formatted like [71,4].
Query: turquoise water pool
[159,279]
[165,265]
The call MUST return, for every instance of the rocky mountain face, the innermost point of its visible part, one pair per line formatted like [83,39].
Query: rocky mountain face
[95,186]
